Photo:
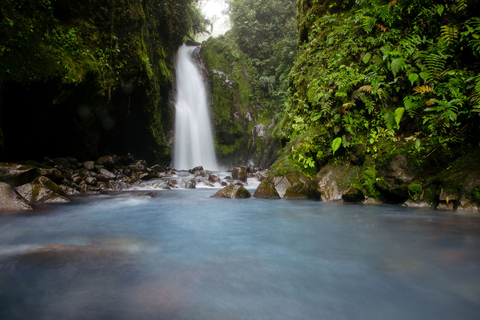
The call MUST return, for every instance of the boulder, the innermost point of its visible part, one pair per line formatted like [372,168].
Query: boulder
[334,181]
[76,178]
[105,175]
[106,161]
[266,189]
[173,183]
[199,168]
[89,165]
[42,189]
[91,181]
[52,173]
[213,178]
[233,192]
[200,173]
[68,190]
[292,185]
[10,200]
[191,184]
[17,174]
[158,168]
[353,195]
[239,173]
[396,175]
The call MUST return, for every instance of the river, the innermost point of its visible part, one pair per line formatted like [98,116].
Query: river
[181,254]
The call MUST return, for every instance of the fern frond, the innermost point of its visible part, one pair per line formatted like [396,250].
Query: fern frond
[367,88]
[326,107]
[422,89]
[449,34]
[368,24]
[475,44]
[461,5]
[433,63]
[412,104]
[475,97]
[397,65]
[409,43]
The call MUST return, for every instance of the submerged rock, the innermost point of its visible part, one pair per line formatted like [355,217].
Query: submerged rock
[233,192]
[10,200]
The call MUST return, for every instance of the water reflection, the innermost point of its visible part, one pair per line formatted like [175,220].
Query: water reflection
[183,255]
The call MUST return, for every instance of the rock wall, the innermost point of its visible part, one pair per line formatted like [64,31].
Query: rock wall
[84,78]
[243,127]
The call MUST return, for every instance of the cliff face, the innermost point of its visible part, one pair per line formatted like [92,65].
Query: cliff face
[243,126]
[84,78]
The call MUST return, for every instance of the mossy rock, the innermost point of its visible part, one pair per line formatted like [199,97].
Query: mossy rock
[266,189]
[335,180]
[293,185]
[353,195]
[233,192]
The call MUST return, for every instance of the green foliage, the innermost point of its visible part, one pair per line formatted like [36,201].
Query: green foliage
[384,71]
[336,143]
[475,195]
[415,191]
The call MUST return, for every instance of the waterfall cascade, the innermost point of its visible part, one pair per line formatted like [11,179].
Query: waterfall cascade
[193,131]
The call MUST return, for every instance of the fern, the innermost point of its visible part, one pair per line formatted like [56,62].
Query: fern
[412,105]
[422,89]
[367,88]
[460,5]
[326,107]
[410,43]
[389,118]
[475,95]
[397,65]
[433,64]
[449,34]
[368,24]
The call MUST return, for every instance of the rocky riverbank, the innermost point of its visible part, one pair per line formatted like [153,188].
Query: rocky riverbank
[27,184]
[396,181]
[388,180]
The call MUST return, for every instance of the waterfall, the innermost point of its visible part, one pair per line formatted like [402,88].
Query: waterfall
[193,131]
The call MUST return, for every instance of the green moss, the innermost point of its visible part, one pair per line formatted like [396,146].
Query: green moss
[475,195]
[415,190]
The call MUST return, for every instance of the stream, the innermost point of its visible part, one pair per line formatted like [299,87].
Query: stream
[180,254]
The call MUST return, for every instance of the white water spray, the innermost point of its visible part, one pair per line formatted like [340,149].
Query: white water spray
[193,131]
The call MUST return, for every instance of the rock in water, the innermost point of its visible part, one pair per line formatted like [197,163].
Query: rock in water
[291,186]
[10,200]
[191,184]
[233,192]
[239,173]
[334,181]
